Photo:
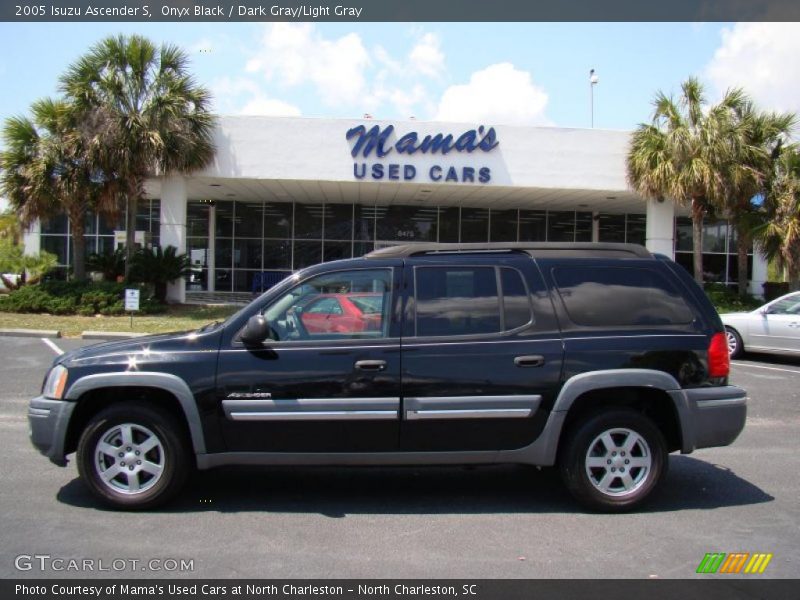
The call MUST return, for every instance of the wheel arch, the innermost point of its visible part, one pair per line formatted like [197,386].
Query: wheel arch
[93,392]
[582,391]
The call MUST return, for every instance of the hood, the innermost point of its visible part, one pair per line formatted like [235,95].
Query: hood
[149,346]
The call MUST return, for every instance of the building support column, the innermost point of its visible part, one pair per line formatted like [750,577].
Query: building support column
[173,227]
[759,274]
[660,229]
[32,239]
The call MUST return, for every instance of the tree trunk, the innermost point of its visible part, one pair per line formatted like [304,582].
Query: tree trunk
[743,244]
[698,214]
[78,248]
[130,229]
[794,281]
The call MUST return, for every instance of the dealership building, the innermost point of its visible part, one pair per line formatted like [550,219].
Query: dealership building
[284,193]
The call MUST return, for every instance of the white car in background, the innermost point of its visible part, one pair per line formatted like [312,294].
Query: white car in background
[774,327]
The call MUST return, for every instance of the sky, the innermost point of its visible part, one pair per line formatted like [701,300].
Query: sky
[490,73]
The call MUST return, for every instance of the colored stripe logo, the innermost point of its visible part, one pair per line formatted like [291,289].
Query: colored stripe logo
[735,562]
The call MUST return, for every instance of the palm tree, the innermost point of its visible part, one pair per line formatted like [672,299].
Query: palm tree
[144,115]
[778,237]
[159,267]
[680,154]
[45,172]
[756,139]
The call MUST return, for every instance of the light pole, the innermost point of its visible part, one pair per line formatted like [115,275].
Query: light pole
[593,79]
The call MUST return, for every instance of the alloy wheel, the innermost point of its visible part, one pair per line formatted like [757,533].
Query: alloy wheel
[618,462]
[129,458]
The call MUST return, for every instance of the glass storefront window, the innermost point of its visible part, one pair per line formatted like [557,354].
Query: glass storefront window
[561,226]
[248,220]
[338,221]
[223,253]
[474,225]
[337,250]
[636,229]
[277,254]
[683,234]
[224,218]
[307,254]
[197,215]
[363,222]
[105,244]
[308,221]
[611,228]
[247,254]
[406,223]
[532,225]
[278,220]
[448,224]
[583,226]
[714,235]
[56,244]
[504,226]
[55,224]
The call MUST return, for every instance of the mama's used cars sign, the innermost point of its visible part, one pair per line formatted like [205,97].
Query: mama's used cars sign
[383,152]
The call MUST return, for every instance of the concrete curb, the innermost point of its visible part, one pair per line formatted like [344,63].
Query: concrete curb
[39,333]
[110,335]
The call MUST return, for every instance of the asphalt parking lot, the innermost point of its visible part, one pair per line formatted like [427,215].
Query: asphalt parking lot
[490,522]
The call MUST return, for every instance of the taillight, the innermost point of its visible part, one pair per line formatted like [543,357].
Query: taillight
[719,361]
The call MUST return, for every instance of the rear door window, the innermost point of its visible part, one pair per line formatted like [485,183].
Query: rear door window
[464,300]
[619,297]
[456,301]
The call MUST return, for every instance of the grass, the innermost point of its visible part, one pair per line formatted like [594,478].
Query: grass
[177,318]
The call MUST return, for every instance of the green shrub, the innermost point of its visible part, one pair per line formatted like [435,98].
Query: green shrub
[77,297]
[726,299]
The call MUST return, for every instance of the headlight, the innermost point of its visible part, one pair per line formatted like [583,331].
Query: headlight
[55,383]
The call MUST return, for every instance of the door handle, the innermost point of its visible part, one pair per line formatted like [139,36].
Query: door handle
[371,365]
[794,324]
[534,360]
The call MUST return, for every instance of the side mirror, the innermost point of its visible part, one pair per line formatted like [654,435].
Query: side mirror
[256,331]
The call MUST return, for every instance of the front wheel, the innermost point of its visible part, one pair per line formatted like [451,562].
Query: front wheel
[612,461]
[734,340]
[133,456]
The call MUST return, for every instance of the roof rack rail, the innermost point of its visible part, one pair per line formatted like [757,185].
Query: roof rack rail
[541,249]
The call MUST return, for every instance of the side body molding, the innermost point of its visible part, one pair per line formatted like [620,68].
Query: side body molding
[542,452]
[163,381]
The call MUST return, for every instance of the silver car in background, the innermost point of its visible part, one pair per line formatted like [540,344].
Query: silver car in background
[774,328]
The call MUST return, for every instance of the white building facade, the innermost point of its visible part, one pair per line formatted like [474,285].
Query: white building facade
[285,193]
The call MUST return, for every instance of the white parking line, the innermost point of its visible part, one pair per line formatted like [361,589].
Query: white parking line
[50,344]
[741,364]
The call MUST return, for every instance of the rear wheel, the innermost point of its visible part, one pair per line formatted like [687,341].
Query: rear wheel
[133,456]
[734,340]
[612,461]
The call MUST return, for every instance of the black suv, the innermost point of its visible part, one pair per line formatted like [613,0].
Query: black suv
[598,358]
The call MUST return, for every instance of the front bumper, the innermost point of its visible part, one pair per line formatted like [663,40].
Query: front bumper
[48,420]
[718,414]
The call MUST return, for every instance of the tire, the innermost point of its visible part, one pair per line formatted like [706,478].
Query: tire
[133,481]
[735,345]
[586,460]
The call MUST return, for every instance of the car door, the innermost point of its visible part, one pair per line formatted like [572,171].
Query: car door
[310,389]
[777,327]
[481,353]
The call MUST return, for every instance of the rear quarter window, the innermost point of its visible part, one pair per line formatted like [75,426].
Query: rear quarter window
[619,297]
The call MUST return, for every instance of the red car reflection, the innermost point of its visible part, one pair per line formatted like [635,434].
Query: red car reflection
[343,313]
